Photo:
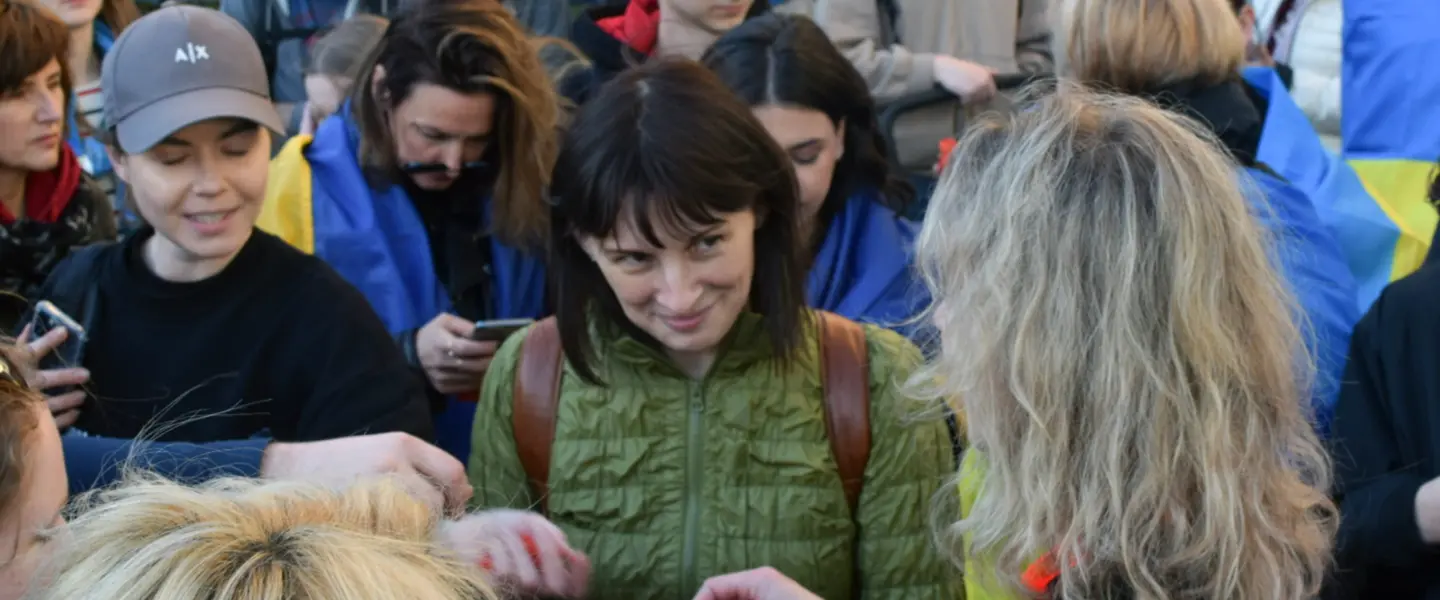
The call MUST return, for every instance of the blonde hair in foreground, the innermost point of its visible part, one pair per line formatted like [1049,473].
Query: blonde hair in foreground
[1126,359]
[1136,46]
[245,539]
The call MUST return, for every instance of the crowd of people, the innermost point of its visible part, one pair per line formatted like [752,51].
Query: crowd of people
[441,299]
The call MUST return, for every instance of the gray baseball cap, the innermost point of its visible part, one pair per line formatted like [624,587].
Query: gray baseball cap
[178,66]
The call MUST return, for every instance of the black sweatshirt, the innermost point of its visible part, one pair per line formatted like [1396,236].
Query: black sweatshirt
[1387,444]
[277,341]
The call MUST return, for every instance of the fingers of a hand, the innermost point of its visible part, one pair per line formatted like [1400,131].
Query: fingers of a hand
[24,336]
[502,560]
[54,378]
[467,368]
[50,341]
[443,471]
[464,347]
[421,488]
[522,567]
[548,552]
[64,402]
[579,567]
[454,325]
[66,419]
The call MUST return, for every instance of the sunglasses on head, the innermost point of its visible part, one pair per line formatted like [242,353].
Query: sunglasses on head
[9,373]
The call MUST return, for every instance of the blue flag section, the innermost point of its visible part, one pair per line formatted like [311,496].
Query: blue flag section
[1390,119]
[1367,235]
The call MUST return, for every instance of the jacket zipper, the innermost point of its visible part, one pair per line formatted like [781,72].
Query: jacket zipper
[694,468]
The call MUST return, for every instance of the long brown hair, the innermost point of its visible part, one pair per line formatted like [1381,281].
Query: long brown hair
[471,46]
[118,14]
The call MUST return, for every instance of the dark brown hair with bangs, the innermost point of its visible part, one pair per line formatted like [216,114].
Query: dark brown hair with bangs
[668,142]
[30,37]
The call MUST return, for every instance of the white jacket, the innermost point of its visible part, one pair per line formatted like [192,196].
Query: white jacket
[1309,40]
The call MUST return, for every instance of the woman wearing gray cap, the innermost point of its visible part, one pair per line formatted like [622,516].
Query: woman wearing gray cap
[199,328]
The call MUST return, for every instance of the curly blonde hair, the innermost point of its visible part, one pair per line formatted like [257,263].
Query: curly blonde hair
[245,539]
[1128,360]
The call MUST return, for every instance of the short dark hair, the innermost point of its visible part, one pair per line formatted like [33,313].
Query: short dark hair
[470,46]
[667,141]
[1238,5]
[30,37]
[787,59]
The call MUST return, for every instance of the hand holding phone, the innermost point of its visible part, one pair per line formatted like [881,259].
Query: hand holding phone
[53,346]
[454,356]
[70,352]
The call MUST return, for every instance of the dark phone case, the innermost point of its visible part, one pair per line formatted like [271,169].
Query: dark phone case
[494,334]
[70,353]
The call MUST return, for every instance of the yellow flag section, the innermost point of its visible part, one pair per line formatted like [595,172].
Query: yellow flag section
[288,212]
[1401,187]
[1391,115]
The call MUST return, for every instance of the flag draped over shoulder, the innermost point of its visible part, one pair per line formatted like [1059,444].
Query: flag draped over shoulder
[1390,119]
[1364,232]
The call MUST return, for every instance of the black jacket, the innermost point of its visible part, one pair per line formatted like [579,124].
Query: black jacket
[1386,444]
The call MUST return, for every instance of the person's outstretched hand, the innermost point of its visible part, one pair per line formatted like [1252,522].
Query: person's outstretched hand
[764,583]
[426,471]
[969,81]
[522,551]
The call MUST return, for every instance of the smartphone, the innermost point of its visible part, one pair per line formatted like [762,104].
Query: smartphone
[49,317]
[498,329]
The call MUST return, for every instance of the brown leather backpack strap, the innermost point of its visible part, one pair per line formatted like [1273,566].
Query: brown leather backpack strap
[846,377]
[537,398]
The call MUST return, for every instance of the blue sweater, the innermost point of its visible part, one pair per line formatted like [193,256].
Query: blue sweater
[93,462]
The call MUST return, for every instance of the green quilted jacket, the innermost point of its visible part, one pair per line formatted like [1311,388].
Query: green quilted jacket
[664,481]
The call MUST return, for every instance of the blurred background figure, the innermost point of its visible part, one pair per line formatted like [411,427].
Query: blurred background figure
[49,204]
[814,104]
[334,65]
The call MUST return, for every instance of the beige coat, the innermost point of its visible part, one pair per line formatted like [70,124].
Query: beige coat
[1005,35]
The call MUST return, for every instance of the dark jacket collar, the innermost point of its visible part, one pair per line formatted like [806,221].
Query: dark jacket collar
[1229,109]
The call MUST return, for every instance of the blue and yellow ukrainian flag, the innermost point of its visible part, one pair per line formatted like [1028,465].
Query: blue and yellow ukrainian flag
[1390,120]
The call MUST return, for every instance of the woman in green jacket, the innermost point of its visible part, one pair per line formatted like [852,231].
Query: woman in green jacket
[702,420]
